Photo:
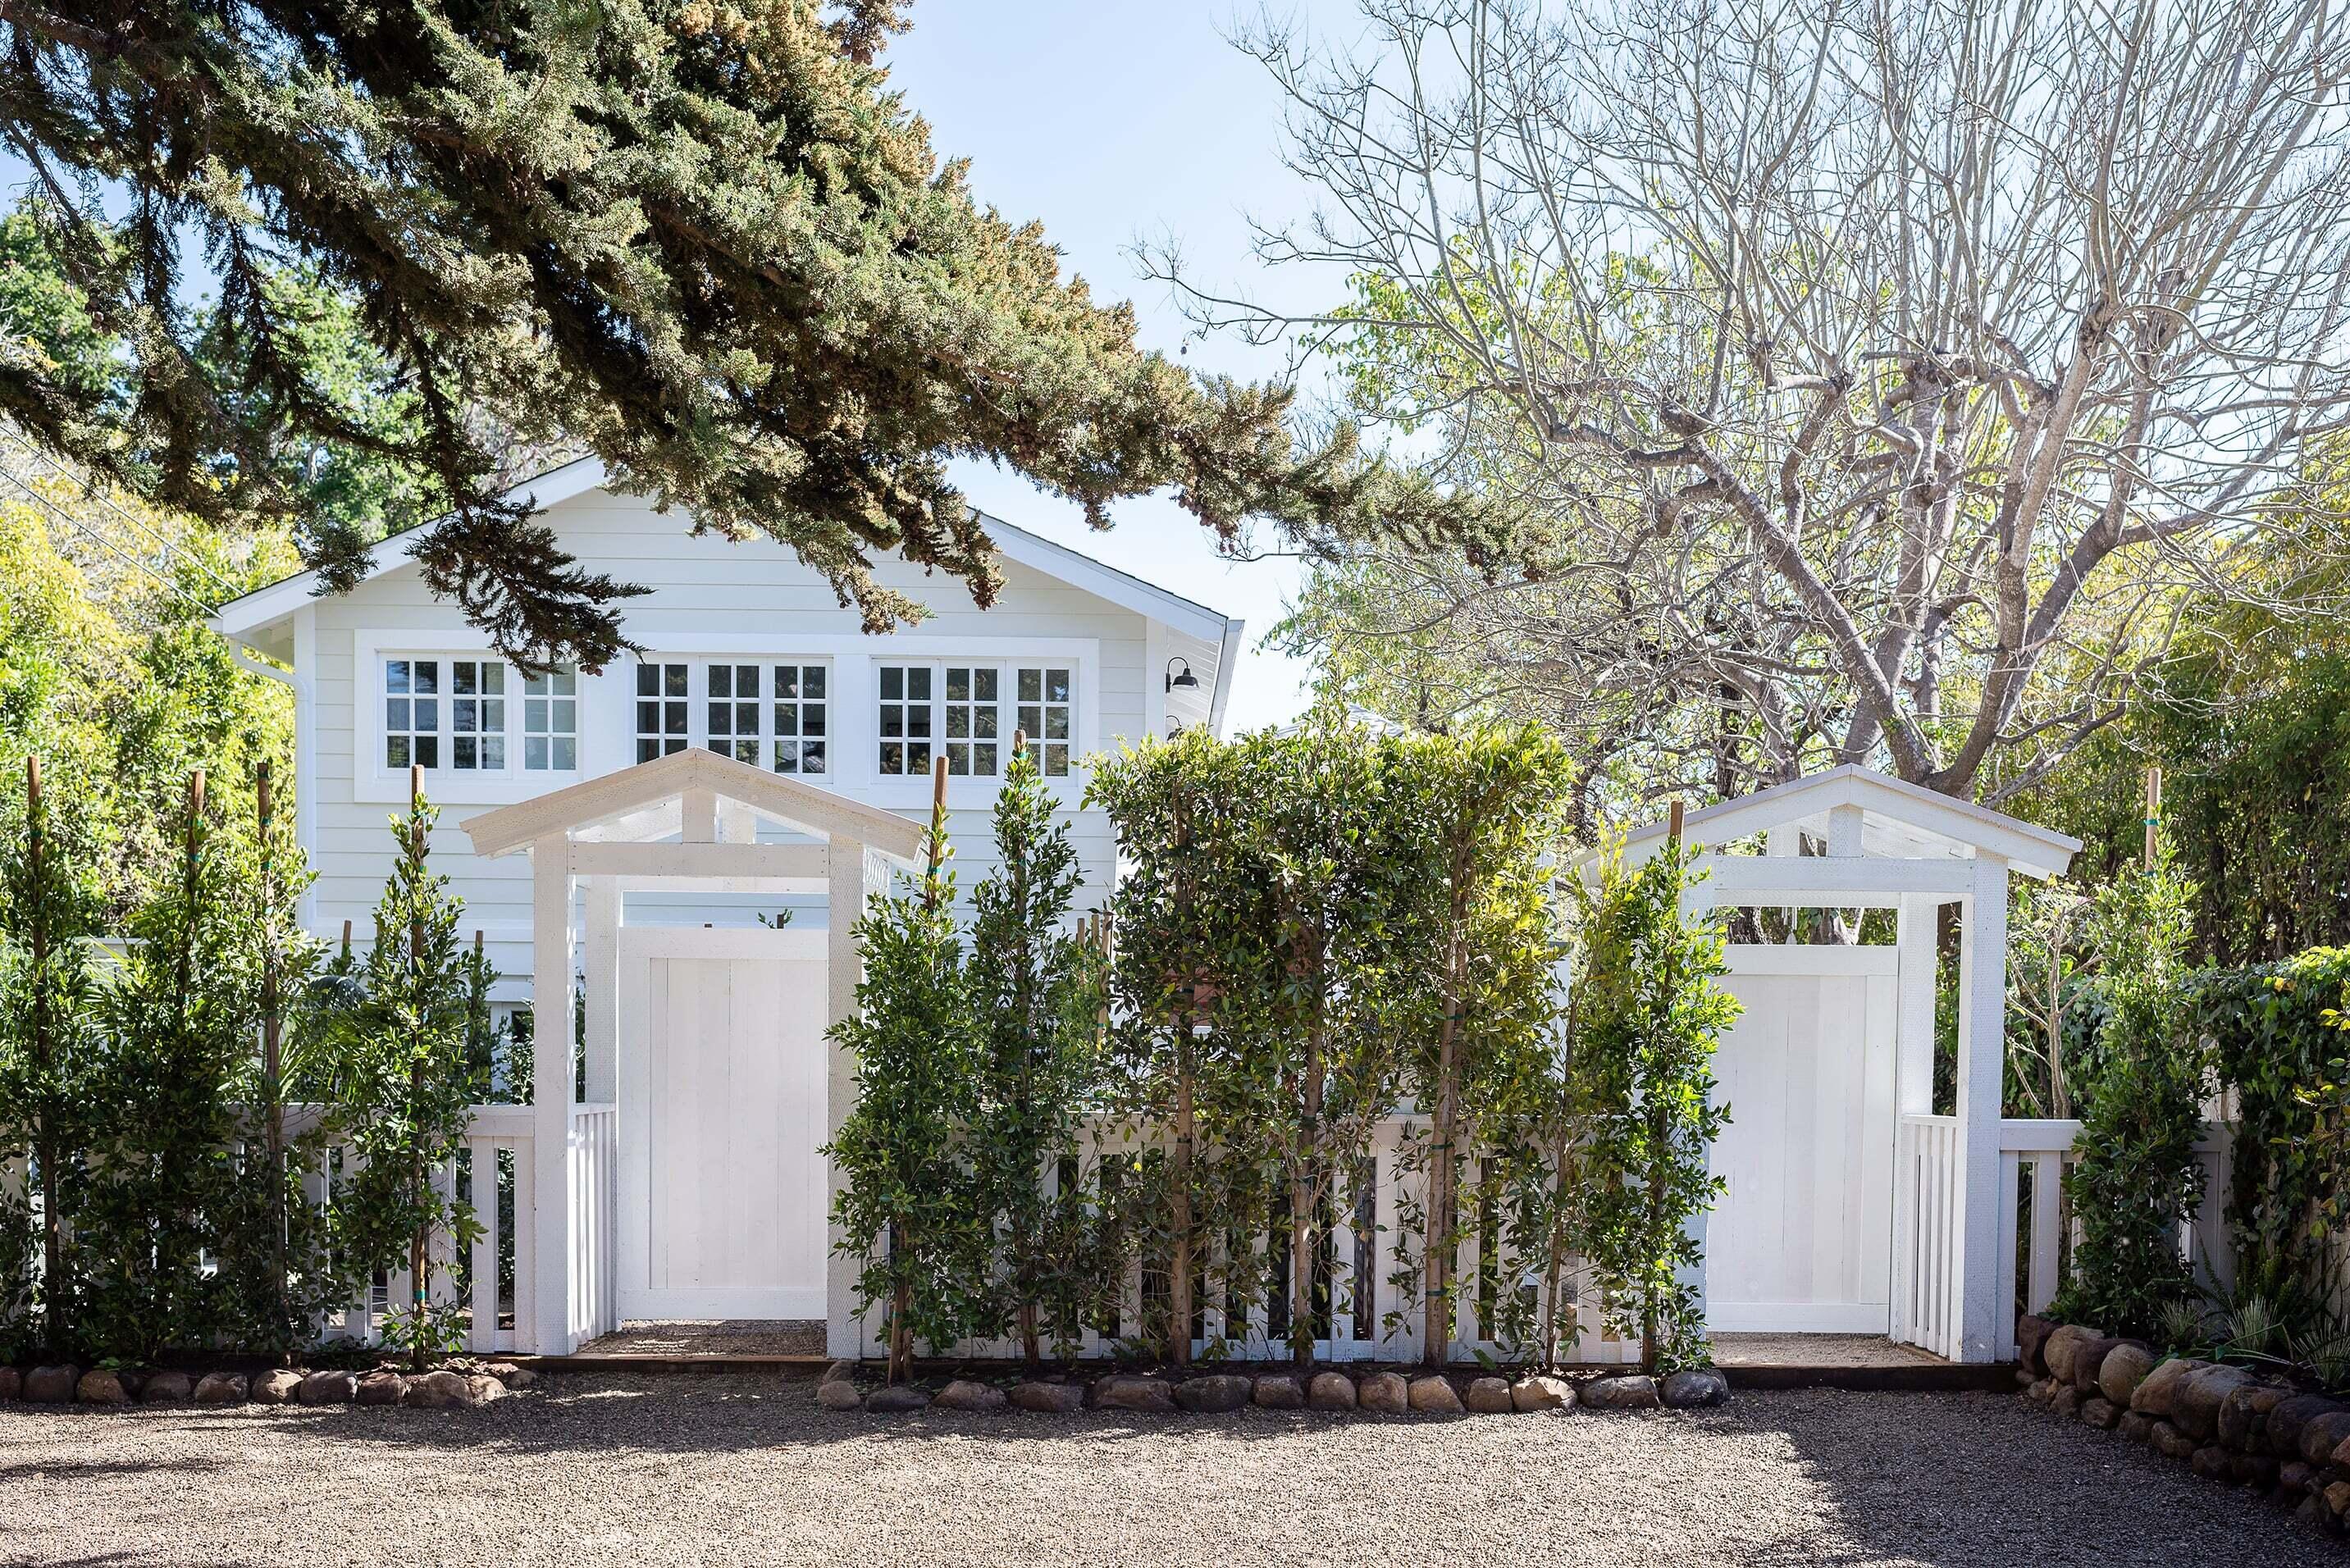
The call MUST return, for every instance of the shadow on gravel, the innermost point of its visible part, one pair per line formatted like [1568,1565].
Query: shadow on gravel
[1972,1478]
[71,1470]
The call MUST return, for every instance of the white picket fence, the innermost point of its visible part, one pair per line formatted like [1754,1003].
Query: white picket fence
[2033,1239]
[1363,1297]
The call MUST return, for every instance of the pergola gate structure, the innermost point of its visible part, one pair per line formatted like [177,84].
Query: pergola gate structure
[722,1065]
[1857,1207]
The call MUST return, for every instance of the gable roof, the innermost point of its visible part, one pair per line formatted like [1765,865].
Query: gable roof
[252,612]
[590,800]
[1899,820]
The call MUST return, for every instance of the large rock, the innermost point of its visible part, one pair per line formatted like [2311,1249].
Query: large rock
[2321,1435]
[1121,1391]
[52,1384]
[1694,1388]
[964,1393]
[2031,1338]
[442,1390]
[222,1388]
[1213,1394]
[2058,1351]
[12,1383]
[2041,1391]
[838,1394]
[382,1386]
[2244,1415]
[1384,1392]
[100,1387]
[2295,1476]
[897,1400]
[2123,1368]
[2167,1440]
[282,1387]
[2195,1403]
[1432,1393]
[486,1388]
[1541,1393]
[2090,1356]
[167,1388]
[1049,1399]
[2065,1401]
[2287,1418]
[1624,1391]
[2212,1462]
[2253,1469]
[2099,1412]
[330,1388]
[841,1372]
[2135,1425]
[1279,1391]
[1488,1397]
[1331,1391]
[2153,1391]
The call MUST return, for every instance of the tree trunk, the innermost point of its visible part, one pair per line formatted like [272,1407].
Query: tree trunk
[1178,1264]
[1304,1243]
[1436,1259]
[53,1247]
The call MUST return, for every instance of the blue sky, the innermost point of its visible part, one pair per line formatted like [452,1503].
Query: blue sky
[1113,122]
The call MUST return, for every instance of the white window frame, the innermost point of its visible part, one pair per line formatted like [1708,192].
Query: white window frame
[374,780]
[852,691]
[699,702]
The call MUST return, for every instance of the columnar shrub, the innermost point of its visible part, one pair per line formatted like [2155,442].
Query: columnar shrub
[1647,1017]
[2137,1181]
[1035,988]
[912,1208]
[400,1043]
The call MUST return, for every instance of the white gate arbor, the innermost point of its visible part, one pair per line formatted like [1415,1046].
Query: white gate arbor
[703,1073]
[1852,1205]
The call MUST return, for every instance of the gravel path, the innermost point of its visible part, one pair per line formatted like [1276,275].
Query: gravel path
[638,1471]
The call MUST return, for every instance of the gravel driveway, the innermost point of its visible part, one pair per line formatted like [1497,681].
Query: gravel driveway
[638,1471]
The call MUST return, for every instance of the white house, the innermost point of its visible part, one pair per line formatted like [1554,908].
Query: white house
[793,756]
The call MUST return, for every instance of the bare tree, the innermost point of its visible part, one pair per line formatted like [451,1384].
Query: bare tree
[1884,375]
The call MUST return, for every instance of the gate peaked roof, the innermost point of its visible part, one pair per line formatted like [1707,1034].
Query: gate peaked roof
[664,779]
[1898,821]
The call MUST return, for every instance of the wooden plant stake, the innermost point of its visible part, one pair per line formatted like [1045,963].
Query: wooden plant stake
[2153,813]
[44,1051]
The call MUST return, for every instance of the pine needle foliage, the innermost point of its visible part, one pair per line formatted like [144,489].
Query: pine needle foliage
[707,243]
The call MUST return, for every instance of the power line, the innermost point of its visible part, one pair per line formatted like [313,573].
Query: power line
[102,541]
[20,445]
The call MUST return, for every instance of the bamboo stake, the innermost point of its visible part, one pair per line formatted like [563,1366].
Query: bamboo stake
[2153,813]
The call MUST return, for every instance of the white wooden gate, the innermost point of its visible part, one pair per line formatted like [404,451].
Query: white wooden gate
[1803,1242]
[721,1098]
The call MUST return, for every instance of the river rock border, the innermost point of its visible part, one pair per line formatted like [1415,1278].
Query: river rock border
[459,1386]
[846,1387]
[2225,1423]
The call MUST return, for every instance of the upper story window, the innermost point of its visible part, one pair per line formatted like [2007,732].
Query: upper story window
[771,716]
[456,713]
[664,706]
[970,711]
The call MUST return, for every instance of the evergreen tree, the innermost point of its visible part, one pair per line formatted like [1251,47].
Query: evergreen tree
[912,1210]
[48,1050]
[709,243]
[409,1087]
[1037,990]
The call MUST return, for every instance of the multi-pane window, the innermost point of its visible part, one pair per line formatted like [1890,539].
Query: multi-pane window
[971,711]
[412,712]
[1044,718]
[477,715]
[663,705]
[460,713]
[734,711]
[907,730]
[800,715]
[973,695]
[550,720]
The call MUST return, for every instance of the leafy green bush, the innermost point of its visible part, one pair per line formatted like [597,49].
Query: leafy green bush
[2137,1181]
